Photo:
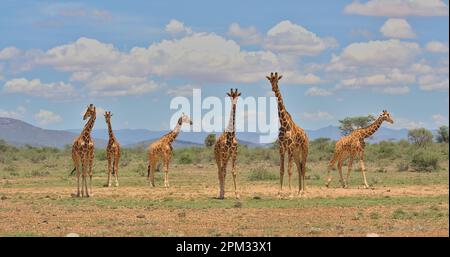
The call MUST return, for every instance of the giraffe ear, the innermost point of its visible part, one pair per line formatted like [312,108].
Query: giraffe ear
[280,77]
[239,94]
[268,78]
[228,94]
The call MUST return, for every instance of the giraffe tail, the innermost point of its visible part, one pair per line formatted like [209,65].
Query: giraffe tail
[148,171]
[74,169]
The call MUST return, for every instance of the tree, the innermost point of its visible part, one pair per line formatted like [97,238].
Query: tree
[420,137]
[210,140]
[321,142]
[350,123]
[442,134]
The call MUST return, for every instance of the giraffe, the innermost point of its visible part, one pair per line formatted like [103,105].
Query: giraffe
[83,152]
[352,145]
[291,138]
[112,152]
[162,150]
[226,148]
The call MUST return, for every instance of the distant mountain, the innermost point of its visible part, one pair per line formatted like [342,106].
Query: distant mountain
[125,136]
[176,144]
[19,133]
[383,134]
[135,136]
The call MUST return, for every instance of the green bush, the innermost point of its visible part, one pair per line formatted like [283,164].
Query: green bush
[261,173]
[185,158]
[402,166]
[424,160]
[39,173]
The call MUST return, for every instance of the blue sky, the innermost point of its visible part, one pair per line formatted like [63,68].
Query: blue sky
[338,58]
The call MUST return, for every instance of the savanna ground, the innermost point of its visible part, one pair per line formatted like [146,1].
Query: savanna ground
[405,198]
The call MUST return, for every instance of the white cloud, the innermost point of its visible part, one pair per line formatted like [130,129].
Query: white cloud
[440,119]
[10,53]
[316,116]
[386,53]
[289,38]
[85,54]
[80,76]
[397,28]
[398,8]
[391,78]
[202,56]
[185,90]
[56,90]
[104,84]
[393,90]
[245,36]
[296,78]
[175,27]
[14,114]
[317,91]
[400,122]
[437,47]
[434,83]
[421,68]
[45,117]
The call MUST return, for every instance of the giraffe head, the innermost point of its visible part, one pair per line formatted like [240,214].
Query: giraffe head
[90,112]
[234,95]
[386,116]
[108,116]
[274,78]
[184,119]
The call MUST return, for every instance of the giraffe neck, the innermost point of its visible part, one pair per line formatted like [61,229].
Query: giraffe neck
[230,130]
[88,127]
[110,131]
[174,133]
[283,115]
[372,128]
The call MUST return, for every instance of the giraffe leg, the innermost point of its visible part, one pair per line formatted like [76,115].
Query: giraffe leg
[222,176]
[166,173]
[303,170]
[298,165]
[290,163]
[83,175]
[340,162]
[363,169]
[282,151]
[108,184]
[116,170]
[349,168]
[91,164]
[234,172]
[84,188]
[76,163]
[329,168]
[78,183]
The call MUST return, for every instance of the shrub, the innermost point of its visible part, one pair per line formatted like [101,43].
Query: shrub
[39,173]
[425,160]
[185,158]
[261,173]
[403,166]
[420,137]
